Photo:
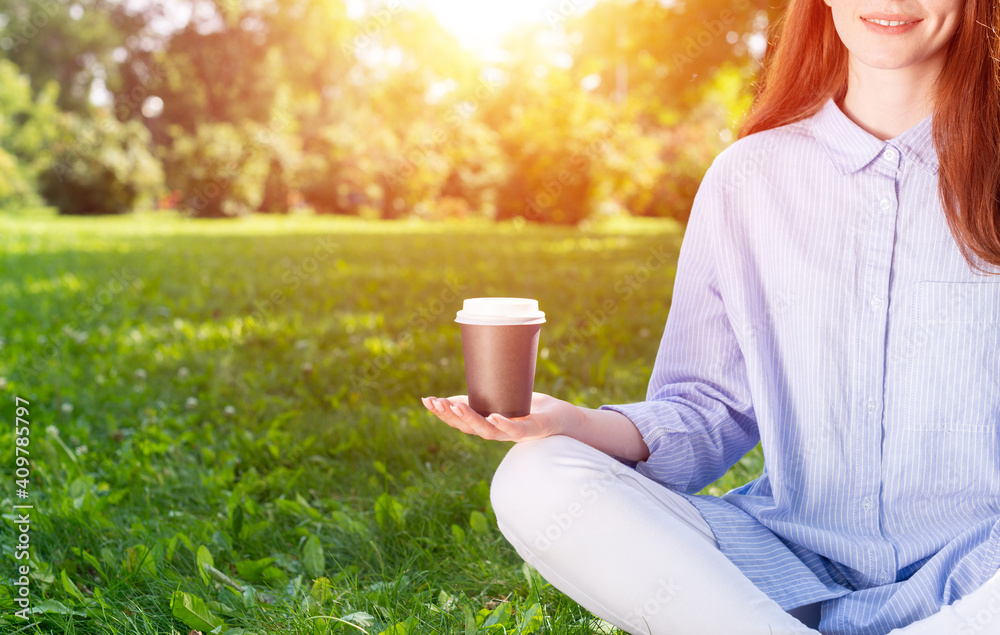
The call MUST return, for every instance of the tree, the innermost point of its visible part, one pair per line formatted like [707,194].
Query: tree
[555,137]
[659,55]
[267,70]
[100,166]
[217,168]
[28,128]
[71,44]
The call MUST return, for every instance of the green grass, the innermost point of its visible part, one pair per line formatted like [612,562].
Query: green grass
[199,392]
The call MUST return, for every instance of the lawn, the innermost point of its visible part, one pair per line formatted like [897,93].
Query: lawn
[224,428]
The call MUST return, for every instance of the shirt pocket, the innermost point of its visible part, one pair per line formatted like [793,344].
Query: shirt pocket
[953,374]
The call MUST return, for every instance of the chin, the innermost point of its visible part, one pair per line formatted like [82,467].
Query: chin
[888,62]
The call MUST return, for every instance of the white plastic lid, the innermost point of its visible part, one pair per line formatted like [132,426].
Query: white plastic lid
[500,311]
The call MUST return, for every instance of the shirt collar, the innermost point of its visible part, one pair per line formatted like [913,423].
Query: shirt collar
[851,148]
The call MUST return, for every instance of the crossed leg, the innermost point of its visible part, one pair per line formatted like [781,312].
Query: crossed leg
[623,546]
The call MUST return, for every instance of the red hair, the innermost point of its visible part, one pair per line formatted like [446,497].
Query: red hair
[801,75]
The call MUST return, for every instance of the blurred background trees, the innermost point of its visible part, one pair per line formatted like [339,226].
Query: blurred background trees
[229,107]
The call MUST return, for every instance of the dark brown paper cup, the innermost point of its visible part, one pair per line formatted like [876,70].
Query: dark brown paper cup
[500,367]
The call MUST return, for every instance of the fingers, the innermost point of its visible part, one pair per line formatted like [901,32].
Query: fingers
[502,423]
[456,413]
[477,423]
[516,429]
[441,408]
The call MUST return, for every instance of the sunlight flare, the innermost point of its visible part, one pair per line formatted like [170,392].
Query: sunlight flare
[481,25]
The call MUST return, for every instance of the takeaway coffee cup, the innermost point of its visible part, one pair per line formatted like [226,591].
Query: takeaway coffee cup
[500,345]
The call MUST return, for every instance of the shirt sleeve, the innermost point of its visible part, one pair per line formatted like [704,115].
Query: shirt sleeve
[698,417]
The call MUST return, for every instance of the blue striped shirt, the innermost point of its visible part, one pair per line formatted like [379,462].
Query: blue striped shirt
[822,307]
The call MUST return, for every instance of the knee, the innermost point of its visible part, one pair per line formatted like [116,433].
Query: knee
[542,486]
[521,476]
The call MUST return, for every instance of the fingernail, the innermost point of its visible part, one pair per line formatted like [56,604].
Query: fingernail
[457,412]
[437,406]
[423,400]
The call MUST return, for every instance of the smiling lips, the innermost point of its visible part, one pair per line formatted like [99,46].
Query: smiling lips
[887,22]
[890,24]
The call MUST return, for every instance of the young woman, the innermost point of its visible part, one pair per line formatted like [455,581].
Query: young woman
[833,300]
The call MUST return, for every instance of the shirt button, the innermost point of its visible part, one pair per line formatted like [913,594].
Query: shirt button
[890,154]
[876,302]
[884,578]
[867,504]
[885,204]
[871,405]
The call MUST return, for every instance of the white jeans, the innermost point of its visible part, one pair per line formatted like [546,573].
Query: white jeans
[642,557]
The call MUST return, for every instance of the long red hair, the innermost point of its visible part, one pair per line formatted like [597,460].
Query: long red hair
[807,65]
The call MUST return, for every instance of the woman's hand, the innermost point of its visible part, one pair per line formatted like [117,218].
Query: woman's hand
[548,416]
[607,430]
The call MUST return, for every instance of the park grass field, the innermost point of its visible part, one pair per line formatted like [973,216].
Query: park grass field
[244,394]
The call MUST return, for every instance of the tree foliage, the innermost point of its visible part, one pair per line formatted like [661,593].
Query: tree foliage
[254,104]
[100,166]
[71,44]
[220,173]
[28,128]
